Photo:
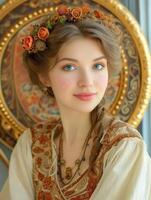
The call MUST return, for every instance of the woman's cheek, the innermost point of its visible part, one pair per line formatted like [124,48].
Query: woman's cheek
[103,81]
[64,83]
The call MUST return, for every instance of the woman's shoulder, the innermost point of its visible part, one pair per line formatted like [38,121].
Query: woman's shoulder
[116,130]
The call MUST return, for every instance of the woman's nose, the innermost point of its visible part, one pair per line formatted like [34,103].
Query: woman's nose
[85,79]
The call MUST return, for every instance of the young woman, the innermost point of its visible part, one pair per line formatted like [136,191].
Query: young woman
[85,153]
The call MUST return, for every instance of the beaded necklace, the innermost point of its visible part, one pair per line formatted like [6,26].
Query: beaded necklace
[62,163]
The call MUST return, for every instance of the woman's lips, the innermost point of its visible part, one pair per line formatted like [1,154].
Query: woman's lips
[85,96]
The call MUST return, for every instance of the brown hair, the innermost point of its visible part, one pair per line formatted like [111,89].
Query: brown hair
[43,60]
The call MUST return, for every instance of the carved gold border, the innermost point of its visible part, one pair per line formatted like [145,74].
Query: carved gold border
[8,6]
[123,86]
[134,30]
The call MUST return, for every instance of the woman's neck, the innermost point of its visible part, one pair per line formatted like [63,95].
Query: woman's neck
[75,127]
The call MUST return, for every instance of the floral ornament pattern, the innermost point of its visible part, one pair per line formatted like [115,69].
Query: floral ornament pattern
[37,40]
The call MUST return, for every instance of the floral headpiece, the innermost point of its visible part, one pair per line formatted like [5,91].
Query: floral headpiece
[37,40]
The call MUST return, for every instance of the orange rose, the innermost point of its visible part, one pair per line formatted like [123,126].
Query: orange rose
[43,33]
[27,42]
[85,8]
[62,10]
[76,13]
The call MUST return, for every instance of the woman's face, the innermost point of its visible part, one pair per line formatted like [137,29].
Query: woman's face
[80,76]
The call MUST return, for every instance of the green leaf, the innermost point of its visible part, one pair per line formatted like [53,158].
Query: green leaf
[49,25]
[62,20]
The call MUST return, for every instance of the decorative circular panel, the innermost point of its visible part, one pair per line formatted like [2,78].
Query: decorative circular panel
[22,104]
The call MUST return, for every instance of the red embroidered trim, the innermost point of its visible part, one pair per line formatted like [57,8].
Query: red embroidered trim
[46,186]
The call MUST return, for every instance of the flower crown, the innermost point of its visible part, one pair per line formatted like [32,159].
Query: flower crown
[37,40]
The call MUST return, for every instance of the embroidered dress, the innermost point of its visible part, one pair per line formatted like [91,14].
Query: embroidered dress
[122,169]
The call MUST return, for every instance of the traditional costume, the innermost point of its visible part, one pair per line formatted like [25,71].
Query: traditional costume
[122,169]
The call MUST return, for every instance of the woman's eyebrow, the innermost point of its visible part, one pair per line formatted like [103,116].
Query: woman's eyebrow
[99,58]
[75,60]
[68,59]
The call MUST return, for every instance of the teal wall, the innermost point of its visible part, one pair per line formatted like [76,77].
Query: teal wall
[3,168]
[1,1]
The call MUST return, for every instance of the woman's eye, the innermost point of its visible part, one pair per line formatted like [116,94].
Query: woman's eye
[69,67]
[99,66]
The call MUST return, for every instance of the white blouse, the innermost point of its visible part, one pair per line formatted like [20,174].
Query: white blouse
[126,172]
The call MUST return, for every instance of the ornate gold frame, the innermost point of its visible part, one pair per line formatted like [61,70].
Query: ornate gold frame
[8,121]
[134,29]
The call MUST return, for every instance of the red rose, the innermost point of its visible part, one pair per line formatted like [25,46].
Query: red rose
[99,15]
[76,13]
[85,8]
[27,42]
[62,10]
[102,15]
[43,33]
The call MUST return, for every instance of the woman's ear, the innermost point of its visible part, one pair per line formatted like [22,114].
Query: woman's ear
[44,78]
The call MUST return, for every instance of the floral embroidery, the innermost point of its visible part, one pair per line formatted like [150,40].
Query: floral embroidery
[47,183]
[38,150]
[40,176]
[38,162]
[46,187]
[43,139]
